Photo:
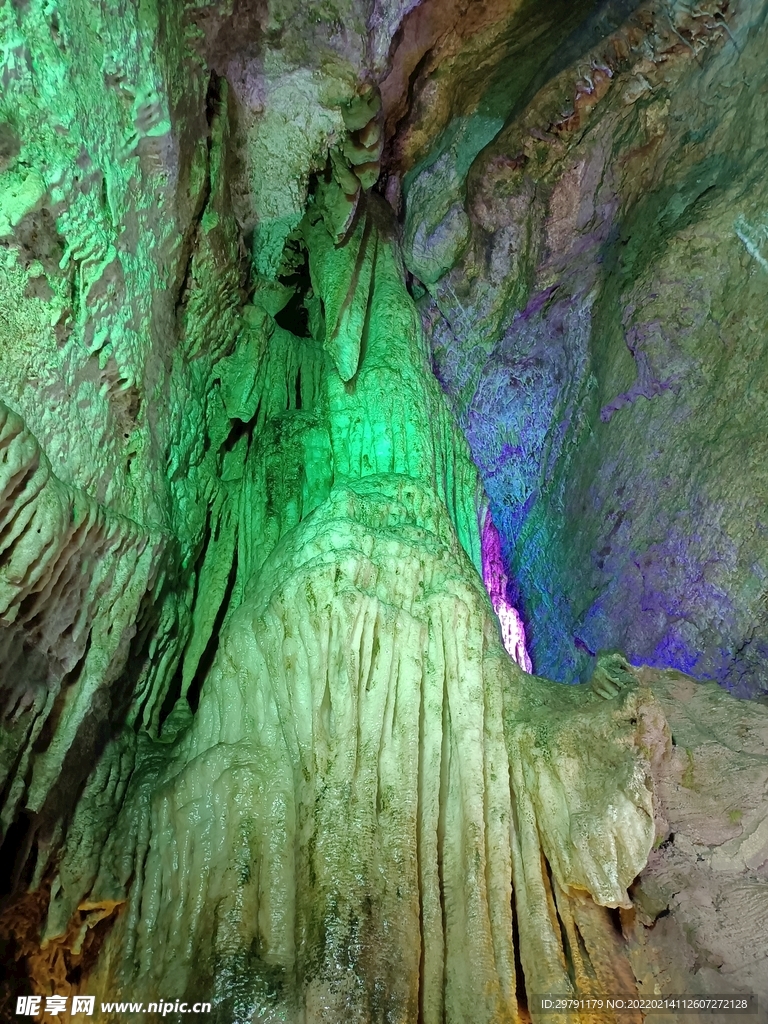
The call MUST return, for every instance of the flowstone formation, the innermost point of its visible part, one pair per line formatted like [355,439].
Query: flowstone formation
[389,776]
[271,737]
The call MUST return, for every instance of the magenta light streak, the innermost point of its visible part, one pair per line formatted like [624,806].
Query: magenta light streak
[495,580]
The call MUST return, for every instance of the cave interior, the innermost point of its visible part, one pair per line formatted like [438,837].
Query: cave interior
[383,531]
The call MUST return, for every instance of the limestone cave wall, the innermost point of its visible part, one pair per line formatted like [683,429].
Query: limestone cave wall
[595,305]
[314,319]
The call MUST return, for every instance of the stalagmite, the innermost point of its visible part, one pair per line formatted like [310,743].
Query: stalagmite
[372,796]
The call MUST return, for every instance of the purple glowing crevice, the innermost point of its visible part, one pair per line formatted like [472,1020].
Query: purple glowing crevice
[496,582]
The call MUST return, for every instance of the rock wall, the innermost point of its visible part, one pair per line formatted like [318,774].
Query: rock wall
[698,922]
[597,321]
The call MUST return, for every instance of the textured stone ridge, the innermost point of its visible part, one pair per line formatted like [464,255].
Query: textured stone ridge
[72,582]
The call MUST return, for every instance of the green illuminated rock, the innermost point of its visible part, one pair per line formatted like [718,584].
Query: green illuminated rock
[369,780]
[262,744]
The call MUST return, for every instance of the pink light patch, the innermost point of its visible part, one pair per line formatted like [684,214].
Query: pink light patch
[495,580]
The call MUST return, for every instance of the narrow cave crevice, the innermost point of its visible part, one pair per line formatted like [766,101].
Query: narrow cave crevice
[294,315]
[16,863]
[206,660]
